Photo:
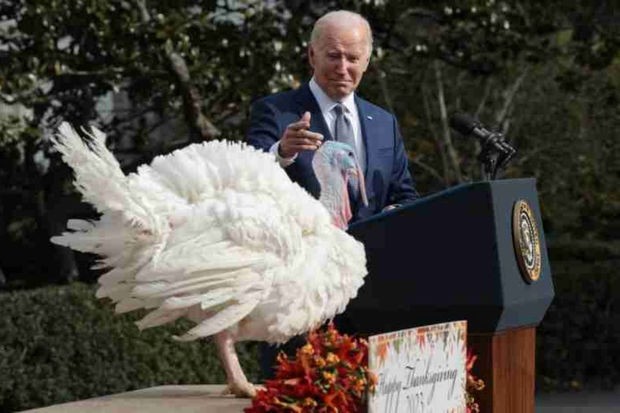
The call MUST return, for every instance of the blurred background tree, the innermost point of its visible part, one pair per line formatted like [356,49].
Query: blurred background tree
[158,75]
[155,76]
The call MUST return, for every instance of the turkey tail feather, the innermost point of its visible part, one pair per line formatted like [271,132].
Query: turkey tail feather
[98,175]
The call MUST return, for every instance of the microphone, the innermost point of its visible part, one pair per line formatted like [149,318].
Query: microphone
[466,125]
[495,151]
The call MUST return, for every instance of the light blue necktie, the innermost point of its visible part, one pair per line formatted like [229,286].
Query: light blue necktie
[343,130]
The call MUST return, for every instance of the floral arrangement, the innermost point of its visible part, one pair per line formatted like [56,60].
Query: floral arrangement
[328,374]
[473,384]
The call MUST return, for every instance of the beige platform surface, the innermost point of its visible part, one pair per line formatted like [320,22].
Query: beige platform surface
[169,399]
[209,398]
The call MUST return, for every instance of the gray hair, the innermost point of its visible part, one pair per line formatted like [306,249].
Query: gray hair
[341,18]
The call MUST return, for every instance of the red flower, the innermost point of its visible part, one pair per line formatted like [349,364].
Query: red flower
[328,374]
[473,384]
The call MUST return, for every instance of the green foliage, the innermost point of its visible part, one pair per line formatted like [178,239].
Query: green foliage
[62,56]
[169,64]
[568,141]
[579,339]
[60,344]
[545,75]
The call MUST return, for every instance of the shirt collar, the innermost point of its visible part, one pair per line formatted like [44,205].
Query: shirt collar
[326,104]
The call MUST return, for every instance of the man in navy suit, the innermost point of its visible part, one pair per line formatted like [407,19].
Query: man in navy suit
[293,124]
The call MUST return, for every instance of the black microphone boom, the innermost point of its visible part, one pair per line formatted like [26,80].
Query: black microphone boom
[495,152]
[466,125]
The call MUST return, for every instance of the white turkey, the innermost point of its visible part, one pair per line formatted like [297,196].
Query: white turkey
[217,233]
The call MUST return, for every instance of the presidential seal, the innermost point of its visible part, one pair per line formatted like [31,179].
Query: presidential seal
[526,241]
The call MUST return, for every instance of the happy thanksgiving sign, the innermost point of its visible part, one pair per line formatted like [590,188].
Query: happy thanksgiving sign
[420,370]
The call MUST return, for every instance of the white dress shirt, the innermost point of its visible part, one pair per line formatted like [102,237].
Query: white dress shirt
[326,105]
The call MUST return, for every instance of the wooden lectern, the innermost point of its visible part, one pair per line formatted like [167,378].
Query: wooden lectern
[474,252]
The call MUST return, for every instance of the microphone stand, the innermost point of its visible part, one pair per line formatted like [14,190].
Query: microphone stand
[495,153]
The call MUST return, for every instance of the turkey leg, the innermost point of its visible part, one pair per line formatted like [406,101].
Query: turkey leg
[238,384]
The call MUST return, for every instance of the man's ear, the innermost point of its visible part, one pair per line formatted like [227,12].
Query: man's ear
[311,55]
[367,63]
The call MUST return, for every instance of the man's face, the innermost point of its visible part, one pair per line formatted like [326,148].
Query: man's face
[339,58]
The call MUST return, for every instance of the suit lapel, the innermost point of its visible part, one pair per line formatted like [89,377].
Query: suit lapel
[369,129]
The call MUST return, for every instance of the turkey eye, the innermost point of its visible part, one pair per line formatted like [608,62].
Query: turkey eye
[350,153]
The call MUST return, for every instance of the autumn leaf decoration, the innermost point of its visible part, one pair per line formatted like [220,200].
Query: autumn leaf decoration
[328,374]
[382,351]
[473,384]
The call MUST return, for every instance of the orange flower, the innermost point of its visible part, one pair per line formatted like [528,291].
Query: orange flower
[329,377]
[309,402]
[307,349]
[332,358]
[303,385]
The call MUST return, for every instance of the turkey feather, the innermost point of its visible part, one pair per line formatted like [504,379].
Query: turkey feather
[217,233]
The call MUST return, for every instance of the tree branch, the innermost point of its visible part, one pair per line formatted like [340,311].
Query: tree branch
[384,88]
[437,141]
[485,96]
[479,109]
[192,100]
[447,140]
[509,97]
[432,171]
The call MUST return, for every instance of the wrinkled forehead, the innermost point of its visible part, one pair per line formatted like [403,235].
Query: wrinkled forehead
[349,34]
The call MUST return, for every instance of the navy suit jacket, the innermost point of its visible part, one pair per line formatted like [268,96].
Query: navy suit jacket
[387,176]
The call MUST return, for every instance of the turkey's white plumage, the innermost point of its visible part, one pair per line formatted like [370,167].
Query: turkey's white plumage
[215,232]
